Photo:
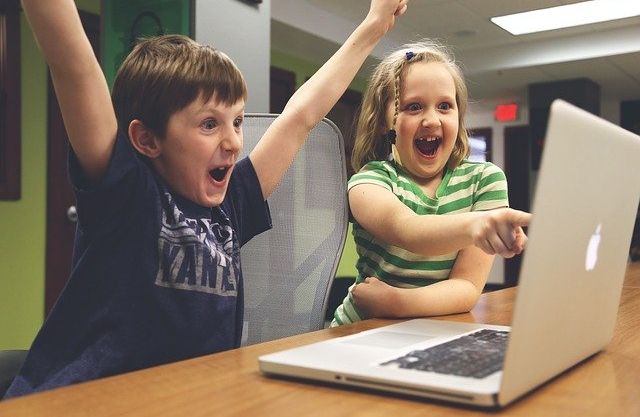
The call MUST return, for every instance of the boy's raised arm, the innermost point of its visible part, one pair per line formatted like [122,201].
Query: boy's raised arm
[277,148]
[78,80]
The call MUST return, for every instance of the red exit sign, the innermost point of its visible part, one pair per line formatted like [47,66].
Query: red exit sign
[506,112]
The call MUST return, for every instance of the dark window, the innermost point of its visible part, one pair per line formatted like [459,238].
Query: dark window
[9,99]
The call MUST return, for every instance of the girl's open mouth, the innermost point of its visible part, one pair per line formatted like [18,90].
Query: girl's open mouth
[428,146]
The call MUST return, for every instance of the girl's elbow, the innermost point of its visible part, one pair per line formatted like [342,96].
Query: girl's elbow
[471,301]
[300,117]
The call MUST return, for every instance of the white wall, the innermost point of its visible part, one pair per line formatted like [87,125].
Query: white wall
[242,31]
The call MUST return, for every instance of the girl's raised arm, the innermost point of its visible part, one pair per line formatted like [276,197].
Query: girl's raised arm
[275,152]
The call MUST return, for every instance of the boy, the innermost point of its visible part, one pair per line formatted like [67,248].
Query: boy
[163,206]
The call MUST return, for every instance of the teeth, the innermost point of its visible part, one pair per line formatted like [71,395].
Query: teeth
[431,139]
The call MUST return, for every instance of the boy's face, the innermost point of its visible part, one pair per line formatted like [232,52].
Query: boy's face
[200,148]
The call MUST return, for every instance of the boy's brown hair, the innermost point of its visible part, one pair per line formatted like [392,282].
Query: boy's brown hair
[164,74]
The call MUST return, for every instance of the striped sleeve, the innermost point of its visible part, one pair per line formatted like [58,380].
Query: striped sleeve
[374,172]
[491,192]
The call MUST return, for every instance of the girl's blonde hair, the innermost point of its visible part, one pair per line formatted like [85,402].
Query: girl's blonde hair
[370,143]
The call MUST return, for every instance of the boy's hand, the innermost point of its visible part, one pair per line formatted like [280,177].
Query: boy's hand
[500,231]
[384,12]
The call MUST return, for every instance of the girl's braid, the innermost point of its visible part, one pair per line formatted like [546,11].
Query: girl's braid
[391,135]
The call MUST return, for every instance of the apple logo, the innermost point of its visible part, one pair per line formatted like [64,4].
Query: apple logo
[592,250]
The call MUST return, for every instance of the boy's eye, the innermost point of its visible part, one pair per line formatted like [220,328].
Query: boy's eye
[238,122]
[209,124]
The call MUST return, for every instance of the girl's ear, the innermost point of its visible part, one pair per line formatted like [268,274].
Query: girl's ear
[144,140]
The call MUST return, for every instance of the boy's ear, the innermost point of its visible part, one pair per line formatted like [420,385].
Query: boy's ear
[144,140]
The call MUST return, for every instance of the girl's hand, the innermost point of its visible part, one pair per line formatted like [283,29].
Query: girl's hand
[375,298]
[500,231]
[384,12]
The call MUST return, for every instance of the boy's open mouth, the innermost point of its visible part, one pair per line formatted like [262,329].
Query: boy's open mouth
[219,173]
[428,146]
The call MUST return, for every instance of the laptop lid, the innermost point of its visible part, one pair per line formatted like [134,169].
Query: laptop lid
[573,268]
[569,288]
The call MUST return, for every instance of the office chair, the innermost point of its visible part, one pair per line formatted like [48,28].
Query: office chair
[10,363]
[288,270]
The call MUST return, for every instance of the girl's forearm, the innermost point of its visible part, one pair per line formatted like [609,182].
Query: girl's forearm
[433,235]
[446,297]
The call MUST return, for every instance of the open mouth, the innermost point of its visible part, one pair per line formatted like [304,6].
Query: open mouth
[428,146]
[219,173]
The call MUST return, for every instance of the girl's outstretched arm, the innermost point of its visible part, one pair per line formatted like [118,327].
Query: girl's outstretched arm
[276,150]
[380,212]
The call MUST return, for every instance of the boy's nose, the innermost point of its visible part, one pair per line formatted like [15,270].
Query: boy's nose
[232,141]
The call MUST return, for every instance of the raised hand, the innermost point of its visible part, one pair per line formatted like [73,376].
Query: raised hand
[385,12]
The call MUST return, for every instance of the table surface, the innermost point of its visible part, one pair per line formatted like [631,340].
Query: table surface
[230,384]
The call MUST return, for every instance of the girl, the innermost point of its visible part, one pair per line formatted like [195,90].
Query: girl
[413,260]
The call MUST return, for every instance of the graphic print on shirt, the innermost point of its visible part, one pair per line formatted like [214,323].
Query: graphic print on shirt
[196,254]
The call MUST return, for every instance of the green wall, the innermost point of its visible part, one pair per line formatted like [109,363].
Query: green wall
[23,222]
[303,70]
[119,16]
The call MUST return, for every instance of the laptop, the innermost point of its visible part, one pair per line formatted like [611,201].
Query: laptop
[568,294]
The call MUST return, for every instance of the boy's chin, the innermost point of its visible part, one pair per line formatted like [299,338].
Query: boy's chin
[213,201]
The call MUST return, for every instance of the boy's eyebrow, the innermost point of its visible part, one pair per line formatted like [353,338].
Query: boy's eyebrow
[205,108]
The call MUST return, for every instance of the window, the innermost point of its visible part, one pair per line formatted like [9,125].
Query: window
[480,145]
[9,100]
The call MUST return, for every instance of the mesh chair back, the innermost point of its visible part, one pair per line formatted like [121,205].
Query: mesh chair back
[288,270]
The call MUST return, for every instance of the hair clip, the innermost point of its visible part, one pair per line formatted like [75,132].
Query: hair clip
[391,136]
[409,55]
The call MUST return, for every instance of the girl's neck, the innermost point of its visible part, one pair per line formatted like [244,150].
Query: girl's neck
[429,186]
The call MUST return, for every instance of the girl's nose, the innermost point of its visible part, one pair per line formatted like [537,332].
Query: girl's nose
[430,118]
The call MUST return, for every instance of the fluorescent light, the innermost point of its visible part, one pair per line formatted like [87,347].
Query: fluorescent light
[567,16]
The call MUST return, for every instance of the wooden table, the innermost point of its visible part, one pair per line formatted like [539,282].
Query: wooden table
[229,383]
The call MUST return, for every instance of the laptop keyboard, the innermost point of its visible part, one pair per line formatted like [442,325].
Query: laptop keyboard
[475,355]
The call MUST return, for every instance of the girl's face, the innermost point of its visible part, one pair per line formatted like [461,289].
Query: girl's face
[427,124]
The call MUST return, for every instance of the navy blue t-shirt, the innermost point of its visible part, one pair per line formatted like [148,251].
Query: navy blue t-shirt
[156,278]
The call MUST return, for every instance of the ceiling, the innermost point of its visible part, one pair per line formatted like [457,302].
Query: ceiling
[498,66]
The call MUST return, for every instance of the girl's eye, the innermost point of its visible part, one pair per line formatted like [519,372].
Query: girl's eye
[445,106]
[414,107]
[209,124]
[238,122]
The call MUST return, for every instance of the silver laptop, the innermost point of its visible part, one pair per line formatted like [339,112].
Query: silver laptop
[567,301]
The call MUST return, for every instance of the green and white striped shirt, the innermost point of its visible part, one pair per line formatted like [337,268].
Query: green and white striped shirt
[472,186]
